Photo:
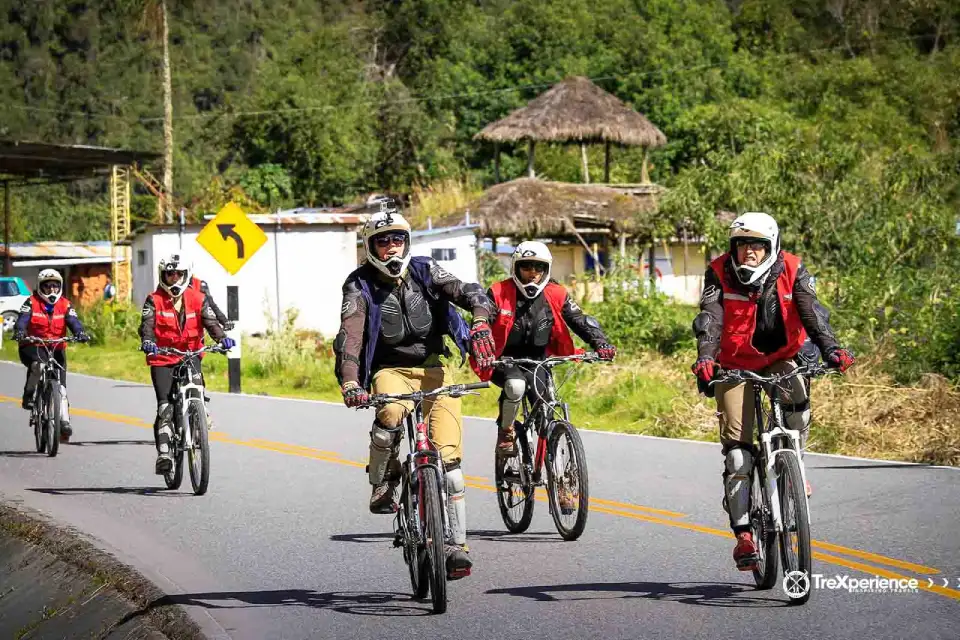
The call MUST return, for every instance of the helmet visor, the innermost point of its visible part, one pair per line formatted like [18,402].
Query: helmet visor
[48,287]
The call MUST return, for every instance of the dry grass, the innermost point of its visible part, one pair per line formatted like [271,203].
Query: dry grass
[440,199]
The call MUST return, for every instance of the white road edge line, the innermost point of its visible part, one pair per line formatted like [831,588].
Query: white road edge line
[597,431]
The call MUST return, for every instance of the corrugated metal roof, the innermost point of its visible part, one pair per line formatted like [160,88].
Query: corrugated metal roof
[57,249]
[308,218]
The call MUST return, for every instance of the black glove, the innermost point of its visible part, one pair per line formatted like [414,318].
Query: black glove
[19,336]
[83,336]
[228,325]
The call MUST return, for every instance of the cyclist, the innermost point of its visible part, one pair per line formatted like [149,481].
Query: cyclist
[47,315]
[396,312]
[175,315]
[758,311]
[534,324]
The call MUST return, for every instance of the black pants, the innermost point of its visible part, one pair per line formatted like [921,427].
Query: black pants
[32,355]
[162,378]
[536,386]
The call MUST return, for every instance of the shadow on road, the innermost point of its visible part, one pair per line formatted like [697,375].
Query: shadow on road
[698,593]
[361,603]
[874,466]
[138,491]
[505,536]
[21,454]
[362,537]
[86,443]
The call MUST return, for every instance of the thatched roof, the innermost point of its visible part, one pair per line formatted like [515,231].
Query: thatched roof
[576,110]
[531,208]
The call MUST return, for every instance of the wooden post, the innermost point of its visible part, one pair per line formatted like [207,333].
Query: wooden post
[652,261]
[7,266]
[644,169]
[623,245]
[606,163]
[530,155]
[596,262]
[496,162]
[583,162]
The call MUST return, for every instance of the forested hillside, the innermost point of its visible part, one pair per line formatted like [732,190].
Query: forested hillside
[839,117]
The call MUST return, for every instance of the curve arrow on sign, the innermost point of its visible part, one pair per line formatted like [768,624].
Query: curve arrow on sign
[226,230]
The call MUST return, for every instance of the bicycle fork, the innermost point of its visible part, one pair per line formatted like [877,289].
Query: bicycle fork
[770,455]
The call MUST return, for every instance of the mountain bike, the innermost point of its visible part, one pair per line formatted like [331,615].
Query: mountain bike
[559,450]
[48,398]
[779,510]
[422,527]
[189,421]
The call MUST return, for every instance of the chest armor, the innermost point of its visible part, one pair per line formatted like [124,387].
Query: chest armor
[405,314]
[534,322]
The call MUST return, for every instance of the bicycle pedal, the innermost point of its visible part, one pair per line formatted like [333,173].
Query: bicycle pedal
[397,542]
[748,564]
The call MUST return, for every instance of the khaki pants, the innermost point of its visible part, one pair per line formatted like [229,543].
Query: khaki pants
[735,405]
[442,415]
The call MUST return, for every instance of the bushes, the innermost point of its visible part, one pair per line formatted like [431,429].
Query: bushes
[110,322]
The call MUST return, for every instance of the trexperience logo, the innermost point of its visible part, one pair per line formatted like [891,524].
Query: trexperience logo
[796,584]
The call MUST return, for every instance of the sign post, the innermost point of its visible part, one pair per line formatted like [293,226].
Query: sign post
[232,239]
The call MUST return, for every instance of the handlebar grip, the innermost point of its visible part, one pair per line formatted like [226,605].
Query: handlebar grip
[476,385]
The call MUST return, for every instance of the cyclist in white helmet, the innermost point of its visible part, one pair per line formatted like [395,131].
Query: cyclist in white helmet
[47,315]
[758,311]
[534,318]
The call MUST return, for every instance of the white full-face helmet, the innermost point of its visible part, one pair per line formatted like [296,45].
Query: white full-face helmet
[531,251]
[754,227]
[387,225]
[50,285]
[175,263]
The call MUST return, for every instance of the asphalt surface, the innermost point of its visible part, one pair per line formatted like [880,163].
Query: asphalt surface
[282,546]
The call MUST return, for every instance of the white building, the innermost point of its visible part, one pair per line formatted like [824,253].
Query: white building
[302,266]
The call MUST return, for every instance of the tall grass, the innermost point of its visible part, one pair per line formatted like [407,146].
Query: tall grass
[441,199]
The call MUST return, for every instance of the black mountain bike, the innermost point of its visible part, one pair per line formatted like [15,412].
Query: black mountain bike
[189,421]
[422,526]
[558,449]
[46,418]
[779,511]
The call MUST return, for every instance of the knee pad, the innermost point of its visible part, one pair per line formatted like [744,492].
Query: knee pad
[383,437]
[739,463]
[456,485]
[738,466]
[34,367]
[513,389]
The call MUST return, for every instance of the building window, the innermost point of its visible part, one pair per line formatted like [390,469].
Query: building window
[141,258]
[443,254]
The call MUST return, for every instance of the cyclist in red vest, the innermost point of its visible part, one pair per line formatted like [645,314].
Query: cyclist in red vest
[534,318]
[758,311]
[175,315]
[47,315]
[201,286]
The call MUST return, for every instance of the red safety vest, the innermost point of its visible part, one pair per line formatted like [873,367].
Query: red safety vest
[48,326]
[505,297]
[195,283]
[740,319]
[167,329]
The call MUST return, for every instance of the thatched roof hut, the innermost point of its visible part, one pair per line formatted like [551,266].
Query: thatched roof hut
[576,110]
[532,208]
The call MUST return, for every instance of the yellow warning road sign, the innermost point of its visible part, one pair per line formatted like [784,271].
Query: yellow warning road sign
[231,238]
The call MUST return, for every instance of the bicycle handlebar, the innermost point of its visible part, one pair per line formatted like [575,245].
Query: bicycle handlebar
[550,361]
[742,375]
[34,340]
[190,354]
[453,390]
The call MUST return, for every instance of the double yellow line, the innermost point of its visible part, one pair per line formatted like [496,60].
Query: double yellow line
[598,505]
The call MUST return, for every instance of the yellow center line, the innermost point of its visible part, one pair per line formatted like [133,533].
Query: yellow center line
[626,511]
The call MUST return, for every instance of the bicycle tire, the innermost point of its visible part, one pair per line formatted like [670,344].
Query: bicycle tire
[413,553]
[766,572]
[431,520]
[52,421]
[565,430]
[39,428]
[174,478]
[791,489]
[516,516]
[199,454]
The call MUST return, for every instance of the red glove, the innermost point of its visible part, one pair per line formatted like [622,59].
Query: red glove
[481,344]
[354,395]
[841,359]
[705,368]
[606,351]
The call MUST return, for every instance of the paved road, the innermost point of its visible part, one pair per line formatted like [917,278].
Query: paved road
[283,547]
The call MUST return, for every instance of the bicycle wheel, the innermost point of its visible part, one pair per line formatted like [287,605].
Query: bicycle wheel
[39,428]
[199,454]
[765,573]
[795,539]
[413,552]
[431,522]
[567,485]
[52,418]
[514,492]
[174,478]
